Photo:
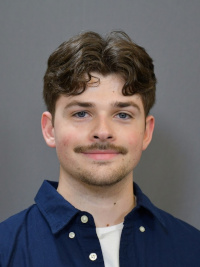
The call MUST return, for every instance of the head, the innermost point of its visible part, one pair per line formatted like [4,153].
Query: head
[70,67]
[98,93]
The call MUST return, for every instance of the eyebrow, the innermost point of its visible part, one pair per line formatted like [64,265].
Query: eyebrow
[117,104]
[126,104]
[80,104]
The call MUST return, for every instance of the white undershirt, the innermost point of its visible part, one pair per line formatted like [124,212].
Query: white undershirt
[109,238]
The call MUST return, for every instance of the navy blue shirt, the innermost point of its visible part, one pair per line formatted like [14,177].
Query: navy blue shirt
[52,233]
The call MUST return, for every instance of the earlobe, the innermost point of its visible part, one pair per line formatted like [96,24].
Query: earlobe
[48,129]
[150,123]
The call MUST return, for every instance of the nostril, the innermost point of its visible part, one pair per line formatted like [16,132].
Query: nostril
[102,137]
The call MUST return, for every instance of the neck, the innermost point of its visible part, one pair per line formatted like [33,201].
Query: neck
[108,205]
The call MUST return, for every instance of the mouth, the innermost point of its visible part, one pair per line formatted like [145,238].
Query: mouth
[101,154]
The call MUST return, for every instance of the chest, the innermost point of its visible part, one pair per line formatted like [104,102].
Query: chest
[78,245]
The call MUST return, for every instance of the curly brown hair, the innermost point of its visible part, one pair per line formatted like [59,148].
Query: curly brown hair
[70,66]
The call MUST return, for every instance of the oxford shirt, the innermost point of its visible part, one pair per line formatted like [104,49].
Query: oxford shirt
[53,233]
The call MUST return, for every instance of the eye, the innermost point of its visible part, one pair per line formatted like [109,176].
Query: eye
[123,115]
[81,114]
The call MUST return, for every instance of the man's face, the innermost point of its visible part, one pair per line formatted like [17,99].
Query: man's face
[100,134]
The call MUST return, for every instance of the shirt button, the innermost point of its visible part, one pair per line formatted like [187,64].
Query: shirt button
[142,229]
[84,219]
[93,256]
[71,235]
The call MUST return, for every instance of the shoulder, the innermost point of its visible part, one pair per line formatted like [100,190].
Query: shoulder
[180,231]
[14,226]
[14,233]
[17,219]
[173,226]
[172,221]
[176,240]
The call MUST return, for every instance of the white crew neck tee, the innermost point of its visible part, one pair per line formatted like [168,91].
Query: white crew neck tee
[109,238]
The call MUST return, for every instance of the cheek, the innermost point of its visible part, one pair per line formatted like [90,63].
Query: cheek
[135,140]
[65,138]
[65,143]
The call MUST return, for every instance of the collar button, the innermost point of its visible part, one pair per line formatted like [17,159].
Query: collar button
[71,235]
[84,219]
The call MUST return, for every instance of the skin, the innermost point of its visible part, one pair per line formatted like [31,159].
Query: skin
[99,137]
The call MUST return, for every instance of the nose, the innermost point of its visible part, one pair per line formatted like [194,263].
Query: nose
[102,131]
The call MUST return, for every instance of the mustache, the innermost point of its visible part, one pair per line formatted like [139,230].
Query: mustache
[99,146]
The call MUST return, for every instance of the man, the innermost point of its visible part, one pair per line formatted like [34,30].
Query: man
[98,93]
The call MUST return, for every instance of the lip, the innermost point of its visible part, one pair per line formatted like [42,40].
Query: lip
[101,154]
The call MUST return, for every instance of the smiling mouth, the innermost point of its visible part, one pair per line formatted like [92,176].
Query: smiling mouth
[101,154]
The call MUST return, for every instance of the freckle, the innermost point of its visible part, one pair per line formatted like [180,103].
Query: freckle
[115,203]
[107,225]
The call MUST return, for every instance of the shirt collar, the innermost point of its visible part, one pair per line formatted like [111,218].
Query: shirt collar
[59,212]
[143,201]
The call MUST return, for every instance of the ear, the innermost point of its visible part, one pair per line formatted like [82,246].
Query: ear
[150,123]
[48,129]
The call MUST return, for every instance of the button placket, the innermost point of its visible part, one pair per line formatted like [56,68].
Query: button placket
[84,220]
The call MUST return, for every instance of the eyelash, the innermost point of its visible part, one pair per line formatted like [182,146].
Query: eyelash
[78,113]
[83,114]
[128,116]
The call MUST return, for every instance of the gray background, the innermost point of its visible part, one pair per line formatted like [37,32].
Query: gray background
[170,31]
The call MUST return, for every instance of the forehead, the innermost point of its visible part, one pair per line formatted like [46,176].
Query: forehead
[102,90]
